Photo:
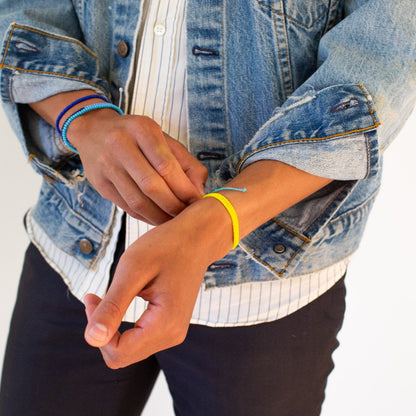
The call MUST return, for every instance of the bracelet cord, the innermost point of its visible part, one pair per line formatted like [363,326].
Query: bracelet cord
[231,211]
[73,104]
[79,113]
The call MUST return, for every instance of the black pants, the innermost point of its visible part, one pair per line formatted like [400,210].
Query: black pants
[273,369]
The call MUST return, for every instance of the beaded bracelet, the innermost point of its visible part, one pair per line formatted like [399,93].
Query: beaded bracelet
[230,209]
[73,104]
[79,113]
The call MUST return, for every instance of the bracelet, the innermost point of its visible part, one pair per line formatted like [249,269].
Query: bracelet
[73,104]
[79,113]
[230,209]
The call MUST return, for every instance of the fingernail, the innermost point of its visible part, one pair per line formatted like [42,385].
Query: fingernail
[98,332]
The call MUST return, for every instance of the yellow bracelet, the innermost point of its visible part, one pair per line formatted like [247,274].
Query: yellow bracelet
[234,219]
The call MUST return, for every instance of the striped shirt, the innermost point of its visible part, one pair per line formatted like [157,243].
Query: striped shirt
[160,93]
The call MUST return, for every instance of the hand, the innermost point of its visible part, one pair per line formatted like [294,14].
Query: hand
[165,267]
[130,161]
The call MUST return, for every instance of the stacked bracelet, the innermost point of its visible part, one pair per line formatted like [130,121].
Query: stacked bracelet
[230,209]
[79,113]
[73,104]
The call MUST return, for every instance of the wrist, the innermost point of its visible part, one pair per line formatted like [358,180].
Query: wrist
[82,124]
[210,228]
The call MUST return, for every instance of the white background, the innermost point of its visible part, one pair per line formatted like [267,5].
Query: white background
[375,364]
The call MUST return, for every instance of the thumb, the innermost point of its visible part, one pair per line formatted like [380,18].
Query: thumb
[193,168]
[91,302]
[104,318]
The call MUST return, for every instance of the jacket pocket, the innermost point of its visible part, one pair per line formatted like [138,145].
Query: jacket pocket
[305,14]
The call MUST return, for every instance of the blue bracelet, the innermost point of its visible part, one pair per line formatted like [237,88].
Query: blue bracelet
[80,112]
[69,106]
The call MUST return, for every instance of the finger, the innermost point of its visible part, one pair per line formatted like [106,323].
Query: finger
[128,280]
[165,163]
[139,184]
[147,212]
[193,168]
[91,302]
[154,331]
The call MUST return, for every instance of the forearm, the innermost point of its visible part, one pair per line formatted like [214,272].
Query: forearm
[271,188]
[50,108]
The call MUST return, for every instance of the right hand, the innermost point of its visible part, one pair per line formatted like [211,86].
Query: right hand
[130,161]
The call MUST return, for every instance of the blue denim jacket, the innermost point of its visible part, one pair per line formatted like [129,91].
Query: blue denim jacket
[323,85]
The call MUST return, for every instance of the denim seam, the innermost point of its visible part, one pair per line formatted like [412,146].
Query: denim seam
[224,83]
[303,238]
[354,210]
[311,140]
[287,60]
[367,143]
[288,65]
[32,71]
[370,107]
[3,65]
[293,19]
[65,39]
[285,266]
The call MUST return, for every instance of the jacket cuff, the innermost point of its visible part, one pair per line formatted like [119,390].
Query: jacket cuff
[328,133]
[32,58]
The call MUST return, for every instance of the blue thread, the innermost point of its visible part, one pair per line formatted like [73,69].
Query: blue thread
[79,113]
[69,106]
[229,188]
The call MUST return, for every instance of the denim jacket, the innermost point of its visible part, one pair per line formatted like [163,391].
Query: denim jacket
[322,85]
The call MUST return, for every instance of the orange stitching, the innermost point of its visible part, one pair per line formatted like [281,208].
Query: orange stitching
[293,256]
[267,265]
[55,73]
[304,140]
[370,108]
[57,37]
[307,239]
[286,265]
[7,47]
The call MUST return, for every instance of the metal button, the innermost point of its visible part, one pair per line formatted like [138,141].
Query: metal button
[85,246]
[159,29]
[123,49]
[279,248]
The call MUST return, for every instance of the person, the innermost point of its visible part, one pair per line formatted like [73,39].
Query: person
[284,110]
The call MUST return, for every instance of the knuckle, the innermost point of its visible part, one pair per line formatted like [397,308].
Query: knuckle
[113,141]
[135,204]
[149,184]
[111,309]
[165,167]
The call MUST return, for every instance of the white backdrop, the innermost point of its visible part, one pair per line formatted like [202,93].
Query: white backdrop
[375,364]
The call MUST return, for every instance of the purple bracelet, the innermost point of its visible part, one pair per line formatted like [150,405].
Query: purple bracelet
[68,107]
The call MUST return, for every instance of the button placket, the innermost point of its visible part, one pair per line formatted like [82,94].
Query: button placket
[159,29]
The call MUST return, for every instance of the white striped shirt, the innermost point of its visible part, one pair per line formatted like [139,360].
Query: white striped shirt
[160,93]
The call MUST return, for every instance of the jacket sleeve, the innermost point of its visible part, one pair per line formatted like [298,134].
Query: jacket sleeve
[339,121]
[43,54]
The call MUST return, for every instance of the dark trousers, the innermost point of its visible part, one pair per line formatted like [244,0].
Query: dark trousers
[273,369]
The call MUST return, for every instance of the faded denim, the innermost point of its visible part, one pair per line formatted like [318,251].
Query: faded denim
[322,85]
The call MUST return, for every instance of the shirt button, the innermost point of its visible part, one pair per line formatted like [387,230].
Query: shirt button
[123,49]
[85,246]
[159,29]
[279,248]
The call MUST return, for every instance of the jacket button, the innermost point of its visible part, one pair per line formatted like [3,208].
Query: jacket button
[123,49]
[85,246]
[279,248]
